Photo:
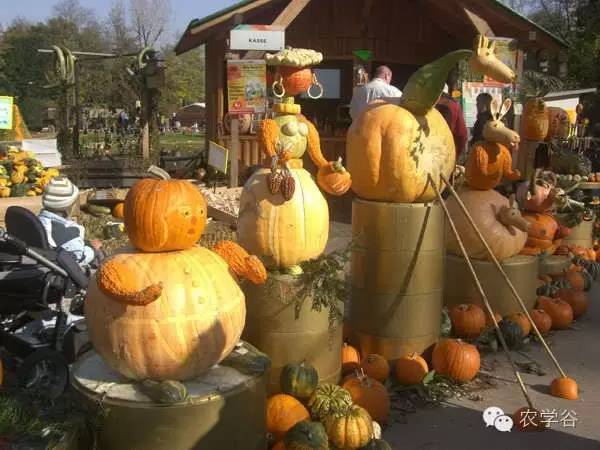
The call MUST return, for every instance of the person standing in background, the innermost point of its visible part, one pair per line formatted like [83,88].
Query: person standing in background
[452,112]
[484,114]
[378,87]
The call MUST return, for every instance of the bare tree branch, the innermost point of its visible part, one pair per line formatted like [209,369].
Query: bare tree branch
[150,18]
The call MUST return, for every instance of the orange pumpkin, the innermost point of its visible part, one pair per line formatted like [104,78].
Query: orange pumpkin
[468,320]
[564,387]
[164,215]
[523,322]
[488,319]
[542,320]
[295,79]
[559,311]
[283,412]
[376,366]
[411,369]
[542,231]
[334,178]
[369,394]
[558,123]
[456,359]
[576,280]
[350,358]
[118,210]
[577,299]
[534,121]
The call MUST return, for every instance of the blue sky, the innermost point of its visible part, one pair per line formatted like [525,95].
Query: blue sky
[183,10]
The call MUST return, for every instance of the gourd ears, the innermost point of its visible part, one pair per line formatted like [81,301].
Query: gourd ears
[499,113]
[314,143]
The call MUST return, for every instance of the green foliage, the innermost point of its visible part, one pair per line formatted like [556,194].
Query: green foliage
[184,80]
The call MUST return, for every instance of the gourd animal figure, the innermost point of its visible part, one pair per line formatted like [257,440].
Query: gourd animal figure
[168,315]
[391,150]
[490,161]
[283,216]
[545,234]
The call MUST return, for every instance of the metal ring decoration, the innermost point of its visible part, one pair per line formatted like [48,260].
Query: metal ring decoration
[278,81]
[315,82]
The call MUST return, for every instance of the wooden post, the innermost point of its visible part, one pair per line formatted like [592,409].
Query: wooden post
[146,117]
[234,152]
[77,110]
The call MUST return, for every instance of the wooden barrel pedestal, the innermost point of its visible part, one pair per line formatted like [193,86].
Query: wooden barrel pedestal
[225,408]
[397,270]
[280,321]
[554,264]
[581,234]
[521,270]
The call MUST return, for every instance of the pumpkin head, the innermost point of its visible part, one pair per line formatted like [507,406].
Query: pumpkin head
[164,215]
[559,311]
[306,435]
[350,358]
[376,366]
[118,210]
[295,79]
[534,121]
[578,300]
[350,429]
[299,380]
[528,419]
[164,316]
[369,394]
[468,320]
[456,359]
[564,387]
[521,320]
[283,412]
[411,369]
[542,320]
[328,399]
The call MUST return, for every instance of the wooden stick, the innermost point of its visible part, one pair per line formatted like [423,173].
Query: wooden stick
[503,273]
[482,293]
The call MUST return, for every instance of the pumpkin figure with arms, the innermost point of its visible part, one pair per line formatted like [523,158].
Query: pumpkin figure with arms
[168,309]
[392,149]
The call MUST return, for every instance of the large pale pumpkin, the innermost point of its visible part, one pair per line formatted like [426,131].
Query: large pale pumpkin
[283,233]
[483,207]
[164,316]
[390,152]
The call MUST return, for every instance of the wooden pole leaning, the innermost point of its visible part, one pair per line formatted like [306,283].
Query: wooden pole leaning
[486,302]
[503,273]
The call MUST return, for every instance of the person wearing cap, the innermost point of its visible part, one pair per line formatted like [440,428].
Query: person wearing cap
[58,200]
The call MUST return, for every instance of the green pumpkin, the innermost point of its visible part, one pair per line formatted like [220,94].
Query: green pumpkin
[547,290]
[328,399]
[299,380]
[306,435]
[513,335]
[293,134]
[377,444]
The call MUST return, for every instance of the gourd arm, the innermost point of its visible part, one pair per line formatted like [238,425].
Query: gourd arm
[482,161]
[509,173]
[314,143]
[120,283]
[269,135]
[240,262]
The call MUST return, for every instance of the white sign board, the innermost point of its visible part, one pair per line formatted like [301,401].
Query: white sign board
[45,150]
[257,37]
[217,157]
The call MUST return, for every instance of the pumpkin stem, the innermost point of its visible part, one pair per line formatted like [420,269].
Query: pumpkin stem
[160,173]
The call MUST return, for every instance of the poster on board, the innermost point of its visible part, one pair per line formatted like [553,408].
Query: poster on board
[470,91]
[247,86]
[6,113]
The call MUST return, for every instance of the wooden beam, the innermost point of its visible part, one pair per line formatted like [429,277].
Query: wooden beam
[479,23]
[284,19]
[228,16]
[366,12]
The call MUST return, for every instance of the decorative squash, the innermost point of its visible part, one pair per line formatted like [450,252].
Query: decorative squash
[542,232]
[334,179]
[306,435]
[283,412]
[240,262]
[488,319]
[350,429]
[542,320]
[377,444]
[295,79]
[350,358]
[118,210]
[484,207]
[376,366]
[369,394]
[521,320]
[512,332]
[488,164]
[564,387]
[558,123]
[534,121]
[456,359]
[468,320]
[164,215]
[411,369]
[328,399]
[559,311]
[299,380]
[528,419]
[164,316]
[577,299]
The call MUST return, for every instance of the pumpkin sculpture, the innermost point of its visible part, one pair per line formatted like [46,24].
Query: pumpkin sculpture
[391,150]
[168,315]
[558,123]
[535,121]
[544,234]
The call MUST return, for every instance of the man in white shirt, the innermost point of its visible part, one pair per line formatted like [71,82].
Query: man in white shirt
[378,87]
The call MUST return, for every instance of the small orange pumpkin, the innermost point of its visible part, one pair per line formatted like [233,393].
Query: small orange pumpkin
[564,387]
[576,280]
[542,320]
[333,178]
[468,320]
[559,311]
[376,366]
[411,369]
[118,210]
[283,412]
[456,359]
[369,394]
[577,299]
[350,358]
[523,322]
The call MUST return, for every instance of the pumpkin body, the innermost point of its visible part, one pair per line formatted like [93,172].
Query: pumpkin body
[483,207]
[283,412]
[390,153]
[118,211]
[542,320]
[376,366]
[468,320]
[328,399]
[543,228]
[558,123]
[534,121]
[411,369]
[350,430]
[564,387]
[370,394]
[578,300]
[456,359]
[306,435]
[295,79]
[164,215]
[487,164]
[299,380]
[559,311]
[350,358]
[283,233]
[194,324]
[523,322]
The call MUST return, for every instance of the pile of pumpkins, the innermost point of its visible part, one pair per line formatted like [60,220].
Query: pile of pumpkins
[22,175]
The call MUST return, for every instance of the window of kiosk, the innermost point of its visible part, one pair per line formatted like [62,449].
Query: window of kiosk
[331,79]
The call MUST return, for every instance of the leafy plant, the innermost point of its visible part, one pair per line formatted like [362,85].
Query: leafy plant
[537,84]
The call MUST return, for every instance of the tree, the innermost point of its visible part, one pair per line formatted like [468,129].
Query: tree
[118,31]
[184,80]
[72,11]
[150,19]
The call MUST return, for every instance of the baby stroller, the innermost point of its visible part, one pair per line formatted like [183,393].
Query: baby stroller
[41,289]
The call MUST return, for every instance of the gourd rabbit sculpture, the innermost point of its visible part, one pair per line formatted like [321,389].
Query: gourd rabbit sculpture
[392,149]
[168,309]
[490,160]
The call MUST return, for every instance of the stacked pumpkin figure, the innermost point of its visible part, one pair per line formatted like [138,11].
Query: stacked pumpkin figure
[168,309]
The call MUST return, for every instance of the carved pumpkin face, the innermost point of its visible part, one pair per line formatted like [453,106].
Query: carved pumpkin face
[164,215]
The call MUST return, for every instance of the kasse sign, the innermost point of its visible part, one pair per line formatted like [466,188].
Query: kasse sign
[257,37]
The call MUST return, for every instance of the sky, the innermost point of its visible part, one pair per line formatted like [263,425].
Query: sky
[38,10]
